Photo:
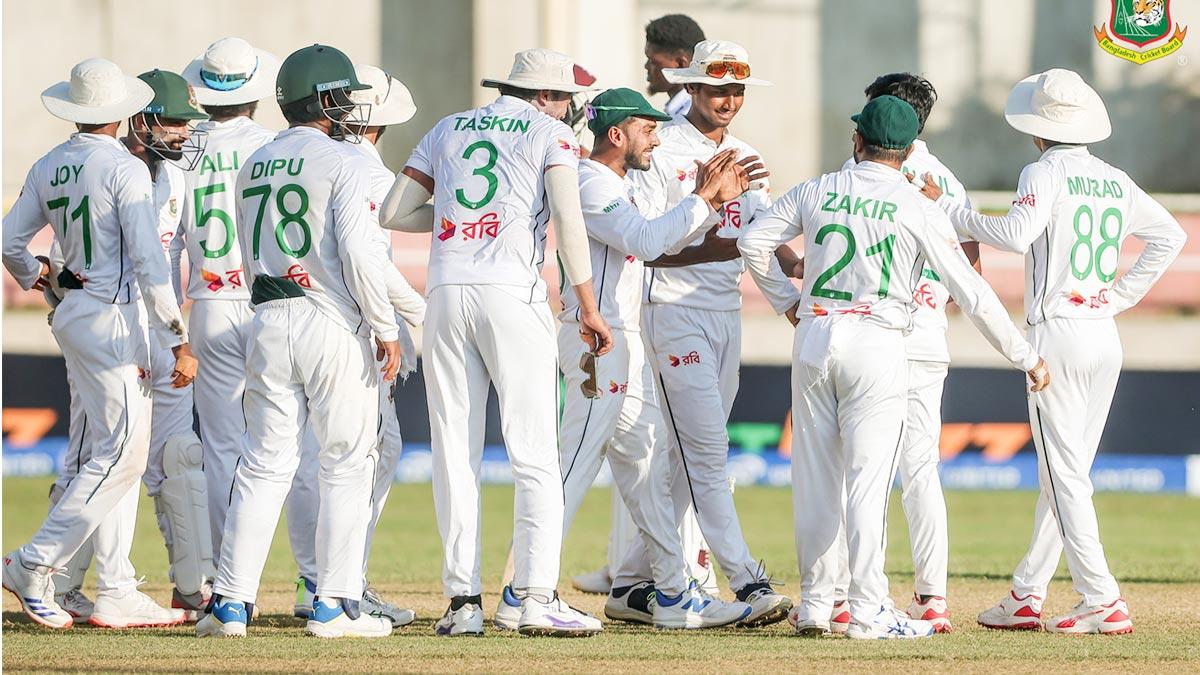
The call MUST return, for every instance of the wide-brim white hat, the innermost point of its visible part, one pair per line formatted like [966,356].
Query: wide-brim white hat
[713,51]
[1058,105]
[97,93]
[390,101]
[537,69]
[250,73]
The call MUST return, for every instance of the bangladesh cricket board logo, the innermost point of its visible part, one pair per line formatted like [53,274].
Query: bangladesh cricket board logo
[1136,31]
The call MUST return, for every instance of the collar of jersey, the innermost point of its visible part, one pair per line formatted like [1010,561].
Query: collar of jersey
[513,102]
[233,123]
[882,170]
[97,138]
[1066,149]
[601,168]
[694,136]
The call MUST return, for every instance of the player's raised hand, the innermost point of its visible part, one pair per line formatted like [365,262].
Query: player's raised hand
[930,188]
[711,177]
[755,170]
[186,366]
[389,353]
[1039,377]
[594,331]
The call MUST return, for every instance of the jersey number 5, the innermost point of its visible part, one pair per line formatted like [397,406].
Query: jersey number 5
[81,213]
[289,216]
[203,215]
[485,171]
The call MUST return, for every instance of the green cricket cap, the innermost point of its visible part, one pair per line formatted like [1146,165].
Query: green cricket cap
[614,106]
[313,70]
[888,122]
[173,96]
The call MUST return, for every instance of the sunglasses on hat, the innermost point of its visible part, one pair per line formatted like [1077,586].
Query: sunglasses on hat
[228,81]
[736,69]
[590,110]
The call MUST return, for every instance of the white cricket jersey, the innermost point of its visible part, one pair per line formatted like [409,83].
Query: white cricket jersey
[407,302]
[1070,216]
[304,219]
[867,236]
[488,165]
[168,201]
[927,341]
[671,176]
[209,221]
[97,198]
[621,236]
[679,104]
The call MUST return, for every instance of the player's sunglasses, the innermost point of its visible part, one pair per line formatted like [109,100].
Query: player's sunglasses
[226,81]
[590,387]
[736,69]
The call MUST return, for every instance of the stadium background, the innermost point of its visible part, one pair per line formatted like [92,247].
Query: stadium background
[819,55]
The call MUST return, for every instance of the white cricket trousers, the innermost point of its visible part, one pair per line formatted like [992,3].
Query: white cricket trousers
[303,500]
[696,354]
[108,366]
[624,424]
[921,487]
[1067,419]
[303,368]
[475,335]
[847,422]
[220,334]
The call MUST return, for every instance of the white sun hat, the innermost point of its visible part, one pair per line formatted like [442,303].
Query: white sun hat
[97,93]
[231,72]
[1058,105]
[538,69]
[712,53]
[390,101]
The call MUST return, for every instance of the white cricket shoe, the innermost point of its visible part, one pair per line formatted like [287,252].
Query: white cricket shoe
[695,608]
[466,620]
[889,624]
[34,589]
[373,604]
[934,610]
[839,623]
[306,593]
[75,603]
[807,627]
[766,605]
[132,608]
[331,619]
[598,582]
[555,619]
[228,618]
[1110,619]
[508,612]
[1013,612]
[634,604]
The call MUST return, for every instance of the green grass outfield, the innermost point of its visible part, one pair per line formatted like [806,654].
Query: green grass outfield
[1153,545]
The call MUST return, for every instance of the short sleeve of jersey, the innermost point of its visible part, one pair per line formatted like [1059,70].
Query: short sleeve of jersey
[562,149]
[421,158]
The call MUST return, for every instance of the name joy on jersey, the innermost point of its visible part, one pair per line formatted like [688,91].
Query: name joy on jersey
[66,174]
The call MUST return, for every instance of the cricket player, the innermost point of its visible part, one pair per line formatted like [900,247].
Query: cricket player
[670,40]
[498,174]
[869,235]
[390,104]
[928,361]
[610,408]
[1071,215]
[692,322]
[97,198]
[229,80]
[305,227]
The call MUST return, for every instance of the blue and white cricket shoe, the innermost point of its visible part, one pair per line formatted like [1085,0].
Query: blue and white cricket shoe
[228,618]
[695,609]
[306,592]
[555,619]
[508,612]
[34,589]
[466,620]
[634,604]
[888,624]
[338,617]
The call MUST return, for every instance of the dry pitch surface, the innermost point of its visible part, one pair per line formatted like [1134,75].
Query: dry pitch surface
[1153,543]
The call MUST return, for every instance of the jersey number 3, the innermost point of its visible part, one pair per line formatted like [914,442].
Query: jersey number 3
[485,171]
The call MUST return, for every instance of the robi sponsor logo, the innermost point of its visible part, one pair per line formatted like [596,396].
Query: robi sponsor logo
[1026,200]
[731,215]
[685,174]
[685,360]
[615,388]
